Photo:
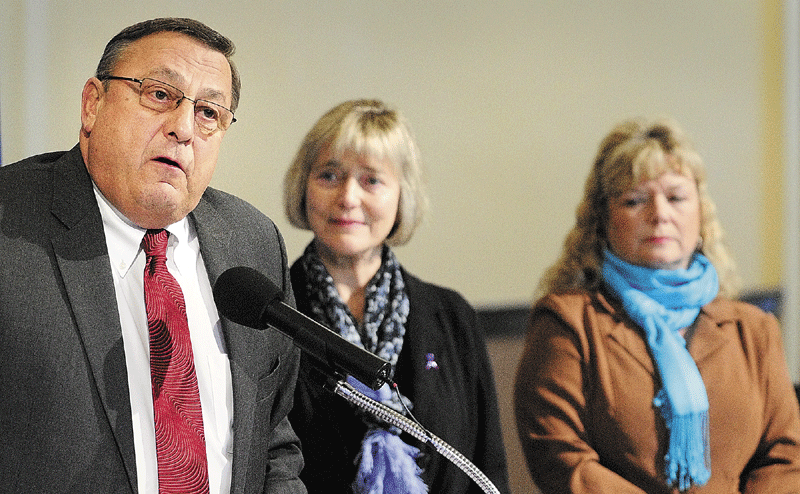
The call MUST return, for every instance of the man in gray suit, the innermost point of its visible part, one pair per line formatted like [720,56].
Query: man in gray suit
[76,412]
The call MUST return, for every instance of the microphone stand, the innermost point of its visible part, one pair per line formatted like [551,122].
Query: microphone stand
[381,411]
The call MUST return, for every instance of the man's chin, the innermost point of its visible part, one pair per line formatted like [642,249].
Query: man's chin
[161,211]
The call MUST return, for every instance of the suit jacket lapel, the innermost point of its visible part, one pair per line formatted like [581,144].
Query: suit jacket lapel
[214,237]
[82,258]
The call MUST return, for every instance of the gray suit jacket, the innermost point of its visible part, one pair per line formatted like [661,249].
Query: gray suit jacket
[65,415]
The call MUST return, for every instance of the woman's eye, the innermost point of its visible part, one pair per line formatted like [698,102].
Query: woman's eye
[677,198]
[632,201]
[327,176]
[372,180]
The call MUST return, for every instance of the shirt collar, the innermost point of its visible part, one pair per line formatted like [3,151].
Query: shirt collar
[124,238]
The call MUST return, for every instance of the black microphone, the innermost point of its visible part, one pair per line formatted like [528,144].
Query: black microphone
[247,297]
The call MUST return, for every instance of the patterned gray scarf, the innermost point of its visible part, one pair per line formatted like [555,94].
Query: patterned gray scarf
[386,464]
[385,310]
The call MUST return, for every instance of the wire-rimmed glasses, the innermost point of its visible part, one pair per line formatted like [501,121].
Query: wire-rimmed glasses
[162,97]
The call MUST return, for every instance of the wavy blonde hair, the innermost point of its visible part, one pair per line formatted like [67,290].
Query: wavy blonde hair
[634,151]
[365,127]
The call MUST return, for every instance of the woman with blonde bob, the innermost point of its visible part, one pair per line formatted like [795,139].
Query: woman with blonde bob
[356,184]
[641,373]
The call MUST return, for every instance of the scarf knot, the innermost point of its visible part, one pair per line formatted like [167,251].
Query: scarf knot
[386,464]
[663,302]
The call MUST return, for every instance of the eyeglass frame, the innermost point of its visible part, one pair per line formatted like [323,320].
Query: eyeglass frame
[177,102]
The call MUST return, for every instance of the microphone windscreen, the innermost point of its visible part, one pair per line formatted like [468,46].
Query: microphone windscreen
[242,294]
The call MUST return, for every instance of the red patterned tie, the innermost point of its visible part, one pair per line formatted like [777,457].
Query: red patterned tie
[180,442]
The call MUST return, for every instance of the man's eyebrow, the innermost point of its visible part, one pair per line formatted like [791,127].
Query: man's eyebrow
[168,74]
[211,94]
[177,80]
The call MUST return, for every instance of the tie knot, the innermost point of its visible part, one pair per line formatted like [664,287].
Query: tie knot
[154,243]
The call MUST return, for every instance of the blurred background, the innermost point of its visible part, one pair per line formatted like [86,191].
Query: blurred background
[508,100]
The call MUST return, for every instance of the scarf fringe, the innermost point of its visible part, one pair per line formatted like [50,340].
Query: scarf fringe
[388,465]
[687,461]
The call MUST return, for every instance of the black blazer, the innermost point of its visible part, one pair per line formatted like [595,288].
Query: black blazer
[456,401]
[65,416]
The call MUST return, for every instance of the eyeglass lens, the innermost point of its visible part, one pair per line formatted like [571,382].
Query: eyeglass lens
[162,97]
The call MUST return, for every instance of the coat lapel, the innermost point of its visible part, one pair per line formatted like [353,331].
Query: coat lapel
[710,333]
[215,241]
[625,335]
[82,258]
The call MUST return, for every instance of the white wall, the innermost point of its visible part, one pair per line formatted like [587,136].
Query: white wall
[508,99]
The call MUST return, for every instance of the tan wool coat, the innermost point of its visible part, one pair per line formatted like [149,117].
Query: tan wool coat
[584,400]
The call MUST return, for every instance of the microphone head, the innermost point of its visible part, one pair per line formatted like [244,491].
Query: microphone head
[242,294]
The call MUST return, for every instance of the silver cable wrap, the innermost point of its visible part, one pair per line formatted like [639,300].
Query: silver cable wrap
[391,417]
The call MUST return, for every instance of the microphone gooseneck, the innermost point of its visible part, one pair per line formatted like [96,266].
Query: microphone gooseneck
[247,297]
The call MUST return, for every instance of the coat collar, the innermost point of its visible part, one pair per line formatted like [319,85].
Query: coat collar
[714,329]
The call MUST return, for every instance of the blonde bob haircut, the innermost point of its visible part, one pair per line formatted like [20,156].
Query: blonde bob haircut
[366,127]
[632,152]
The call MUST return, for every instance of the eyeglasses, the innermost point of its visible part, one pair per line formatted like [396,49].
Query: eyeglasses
[162,97]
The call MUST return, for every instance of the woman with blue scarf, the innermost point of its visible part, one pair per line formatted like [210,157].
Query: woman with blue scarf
[356,184]
[641,373]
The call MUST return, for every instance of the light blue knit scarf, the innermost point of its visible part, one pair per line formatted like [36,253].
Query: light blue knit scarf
[662,302]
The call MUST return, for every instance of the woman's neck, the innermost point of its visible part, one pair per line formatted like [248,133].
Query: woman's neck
[351,275]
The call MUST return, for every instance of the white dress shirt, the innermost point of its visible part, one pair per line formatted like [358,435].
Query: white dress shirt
[210,356]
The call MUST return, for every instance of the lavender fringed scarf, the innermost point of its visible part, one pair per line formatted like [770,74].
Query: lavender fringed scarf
[663,302]
[386,463]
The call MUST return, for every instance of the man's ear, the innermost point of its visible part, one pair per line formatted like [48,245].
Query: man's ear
[91,99]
